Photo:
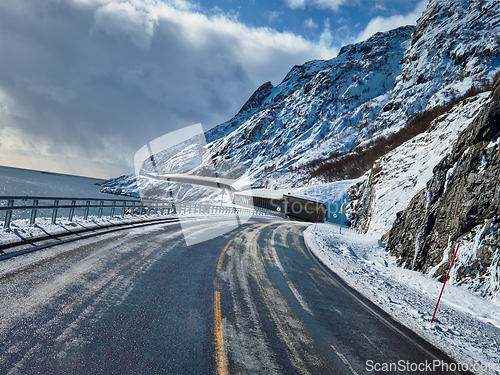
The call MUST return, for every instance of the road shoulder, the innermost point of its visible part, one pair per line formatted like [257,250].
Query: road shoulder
[467,327]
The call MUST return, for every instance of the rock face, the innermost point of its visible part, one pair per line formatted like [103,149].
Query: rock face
[400,174]
[459,203]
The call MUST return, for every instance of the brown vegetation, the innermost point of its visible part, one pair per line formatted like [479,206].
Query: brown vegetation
[352,164]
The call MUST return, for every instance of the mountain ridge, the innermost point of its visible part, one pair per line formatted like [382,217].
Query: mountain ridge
[452,49]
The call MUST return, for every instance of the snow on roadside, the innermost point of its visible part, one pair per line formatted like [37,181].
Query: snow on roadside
[466,327]
[20,229]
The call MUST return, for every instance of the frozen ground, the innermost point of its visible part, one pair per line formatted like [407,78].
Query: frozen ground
[404,171]
[20,229]
[466,327]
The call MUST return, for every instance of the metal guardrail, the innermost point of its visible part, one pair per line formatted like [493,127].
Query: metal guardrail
[127,206]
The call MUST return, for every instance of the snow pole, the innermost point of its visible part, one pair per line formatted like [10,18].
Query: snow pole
[445,280]
[317,219]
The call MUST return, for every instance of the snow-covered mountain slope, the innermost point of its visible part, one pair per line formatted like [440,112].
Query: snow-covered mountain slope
[318,104]
[370,89]
[367,92]
[402,173]
[455,45]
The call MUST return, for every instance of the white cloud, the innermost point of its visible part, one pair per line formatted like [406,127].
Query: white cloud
[380,24]
[378,7]
[326,37]
[124,19]
[328,4]
[320,4]
[310,24]
[273,16]
[296,4]
[249,46]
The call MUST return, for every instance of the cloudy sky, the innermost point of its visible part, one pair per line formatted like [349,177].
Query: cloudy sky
[85,83]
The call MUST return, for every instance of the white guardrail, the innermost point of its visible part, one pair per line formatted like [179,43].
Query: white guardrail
[26,207]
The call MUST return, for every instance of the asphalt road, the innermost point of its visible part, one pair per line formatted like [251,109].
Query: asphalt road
[253,300]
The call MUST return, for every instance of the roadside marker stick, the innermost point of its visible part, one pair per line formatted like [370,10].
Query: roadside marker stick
[445,280]
[317,219]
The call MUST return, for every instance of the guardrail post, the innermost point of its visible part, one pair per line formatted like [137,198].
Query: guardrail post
[8,214]
[33,212]
[54,212]
[86,213]
[113,209]
[99,214]
[71,211]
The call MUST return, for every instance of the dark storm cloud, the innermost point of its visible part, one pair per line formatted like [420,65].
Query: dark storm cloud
[92,81]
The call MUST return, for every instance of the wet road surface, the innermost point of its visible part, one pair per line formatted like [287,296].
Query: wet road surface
[142,302]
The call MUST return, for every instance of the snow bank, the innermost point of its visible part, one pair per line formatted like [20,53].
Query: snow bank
[21,229]
[466,326]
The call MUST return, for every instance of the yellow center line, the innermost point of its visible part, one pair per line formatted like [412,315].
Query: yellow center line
[221,353]
[219,337]
[219,265]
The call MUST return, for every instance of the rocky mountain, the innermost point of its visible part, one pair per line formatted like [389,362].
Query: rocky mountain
[320,107]
[401,173]
[459,203]
[370,90]
[285,135]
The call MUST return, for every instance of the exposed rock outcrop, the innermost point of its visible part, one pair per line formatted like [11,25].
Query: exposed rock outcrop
[460,203]
[401,173]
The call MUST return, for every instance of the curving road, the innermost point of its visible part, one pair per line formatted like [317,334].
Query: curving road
[142,302]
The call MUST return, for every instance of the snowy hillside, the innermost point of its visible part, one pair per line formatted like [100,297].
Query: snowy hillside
[459,204]
[400,174]
[455,45]
[368,90]
[319,107]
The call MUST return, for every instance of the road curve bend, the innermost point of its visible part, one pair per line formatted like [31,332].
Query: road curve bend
[140,301]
